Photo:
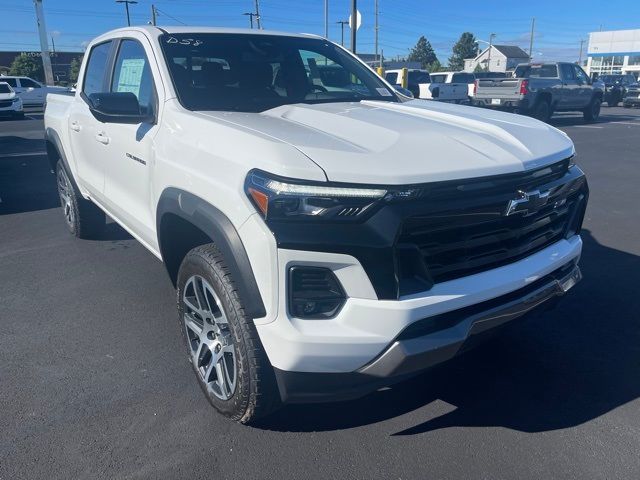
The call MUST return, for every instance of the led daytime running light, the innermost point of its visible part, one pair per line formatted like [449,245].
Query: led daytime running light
[282,188]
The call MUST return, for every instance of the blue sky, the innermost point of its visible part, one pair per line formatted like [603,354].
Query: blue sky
[560,24]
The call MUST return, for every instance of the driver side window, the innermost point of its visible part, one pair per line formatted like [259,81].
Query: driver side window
[580,75]
[132,73]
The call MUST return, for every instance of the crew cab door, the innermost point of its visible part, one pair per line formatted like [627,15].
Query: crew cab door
[129,161]
[584,90]
[88,151]
[567,96]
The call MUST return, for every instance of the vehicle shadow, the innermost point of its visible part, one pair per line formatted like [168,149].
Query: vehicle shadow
[558,370]
[26,182]
[572,119]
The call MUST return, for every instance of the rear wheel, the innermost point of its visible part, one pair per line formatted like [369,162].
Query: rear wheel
[542,111]
[222,342]
[83,218]
[592,112]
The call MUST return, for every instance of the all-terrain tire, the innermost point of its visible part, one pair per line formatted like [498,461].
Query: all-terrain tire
[592,112]
[82,217]
[255,394]
[542,111]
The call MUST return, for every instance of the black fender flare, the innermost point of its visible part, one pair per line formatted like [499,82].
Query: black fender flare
[224,235]
[55,152]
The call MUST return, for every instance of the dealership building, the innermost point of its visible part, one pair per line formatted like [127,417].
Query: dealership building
[614,52]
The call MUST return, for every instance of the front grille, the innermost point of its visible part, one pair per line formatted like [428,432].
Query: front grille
[5,103]
[477,236]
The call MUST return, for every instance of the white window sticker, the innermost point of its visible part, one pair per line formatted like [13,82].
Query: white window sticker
[384,92]
[131,75]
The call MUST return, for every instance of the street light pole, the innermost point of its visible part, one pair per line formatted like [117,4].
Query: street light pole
[354,24]
[491,37]
[44,48]
[342,24]
[126,6]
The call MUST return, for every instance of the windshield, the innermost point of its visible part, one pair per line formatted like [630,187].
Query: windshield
[536,71]
[4,88]
[611,78]
[254,73]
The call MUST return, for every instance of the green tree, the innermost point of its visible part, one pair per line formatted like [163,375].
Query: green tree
[26,66]
[479,68]
[74,69]
[466,47]
[423,53]
[434,67]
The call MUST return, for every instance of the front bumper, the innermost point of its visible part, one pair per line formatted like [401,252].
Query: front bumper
[428,342]
[631,100]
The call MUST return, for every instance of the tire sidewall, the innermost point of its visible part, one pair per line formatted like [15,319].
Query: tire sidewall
[61,169]
[196,264]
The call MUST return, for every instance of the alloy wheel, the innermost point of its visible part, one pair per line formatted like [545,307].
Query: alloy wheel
[209,337]
[65,191]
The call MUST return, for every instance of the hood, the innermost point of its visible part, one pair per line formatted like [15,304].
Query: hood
[414,142]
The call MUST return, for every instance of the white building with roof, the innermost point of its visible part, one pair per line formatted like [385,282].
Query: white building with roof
[501,59]
[614,52]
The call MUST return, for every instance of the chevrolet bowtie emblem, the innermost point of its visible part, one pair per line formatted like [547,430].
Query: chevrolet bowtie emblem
[527,203]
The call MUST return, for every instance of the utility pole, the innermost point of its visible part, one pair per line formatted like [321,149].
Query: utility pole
[376,31]
[580,58]
[326,18]
[533,26]
[153,15]
[44,47]
[126,7]
[354,24]
[491,37]
[342,24]
[258,19]
[250,15]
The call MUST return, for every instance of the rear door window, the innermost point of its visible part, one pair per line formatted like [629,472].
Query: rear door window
[94,76]
[11,81]
[438,78]
[419,77]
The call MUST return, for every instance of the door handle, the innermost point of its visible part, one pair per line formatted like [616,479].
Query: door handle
[75,126]
[102,138]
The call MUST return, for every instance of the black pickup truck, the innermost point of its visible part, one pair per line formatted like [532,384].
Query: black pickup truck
[616,87]
[541,89]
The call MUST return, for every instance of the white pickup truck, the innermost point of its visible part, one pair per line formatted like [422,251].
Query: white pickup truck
[326,237]
[422,85]
[468,79]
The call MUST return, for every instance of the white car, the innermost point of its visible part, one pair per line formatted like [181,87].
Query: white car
[326,236]
[32,92]
[10,103]
[456,77]
[422,85]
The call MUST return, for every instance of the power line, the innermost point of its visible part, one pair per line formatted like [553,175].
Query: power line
[170,16]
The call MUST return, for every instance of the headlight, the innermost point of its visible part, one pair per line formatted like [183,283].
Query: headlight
[285,199]
[280,198]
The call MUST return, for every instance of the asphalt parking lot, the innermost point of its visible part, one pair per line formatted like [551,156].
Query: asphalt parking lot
[94,381]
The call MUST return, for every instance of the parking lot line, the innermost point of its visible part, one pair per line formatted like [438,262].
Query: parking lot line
[22,154]
[626,123]
[585,126]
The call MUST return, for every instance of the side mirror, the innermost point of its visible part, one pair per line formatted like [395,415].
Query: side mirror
[116,107]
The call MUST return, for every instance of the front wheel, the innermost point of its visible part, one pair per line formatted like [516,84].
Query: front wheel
[592,112]
[222,342]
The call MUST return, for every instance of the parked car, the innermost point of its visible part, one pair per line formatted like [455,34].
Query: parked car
[540,89]
[616,87]
[420,84]
[32,92]
[632,96]
[456,77]
[318,252]
[10,103]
